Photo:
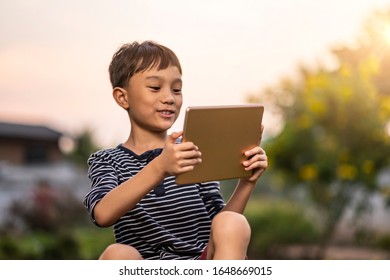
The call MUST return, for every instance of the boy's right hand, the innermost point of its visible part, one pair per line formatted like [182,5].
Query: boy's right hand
[178,158]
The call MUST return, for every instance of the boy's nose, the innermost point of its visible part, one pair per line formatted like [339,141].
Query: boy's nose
[168,97]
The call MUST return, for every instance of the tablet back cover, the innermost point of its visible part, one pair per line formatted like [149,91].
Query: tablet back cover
[223,134]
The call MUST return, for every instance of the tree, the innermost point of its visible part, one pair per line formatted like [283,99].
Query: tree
[84,147]
[335,139]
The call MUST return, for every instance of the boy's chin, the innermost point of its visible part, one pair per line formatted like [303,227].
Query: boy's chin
[164,128]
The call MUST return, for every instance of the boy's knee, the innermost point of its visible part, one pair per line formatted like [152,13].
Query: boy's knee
[120,252]
[232,223]
[230,236]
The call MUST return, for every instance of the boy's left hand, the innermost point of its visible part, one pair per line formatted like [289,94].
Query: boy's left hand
[257,161]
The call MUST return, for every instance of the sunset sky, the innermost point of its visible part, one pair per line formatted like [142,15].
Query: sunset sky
[54,54]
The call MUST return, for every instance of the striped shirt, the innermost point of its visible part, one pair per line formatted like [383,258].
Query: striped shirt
[170,222]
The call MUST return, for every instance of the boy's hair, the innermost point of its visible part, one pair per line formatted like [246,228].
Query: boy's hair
[137,57]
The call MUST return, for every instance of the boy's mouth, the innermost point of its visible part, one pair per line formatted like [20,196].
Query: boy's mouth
[167,113]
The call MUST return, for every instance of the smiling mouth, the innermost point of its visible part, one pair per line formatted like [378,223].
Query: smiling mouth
[166,112]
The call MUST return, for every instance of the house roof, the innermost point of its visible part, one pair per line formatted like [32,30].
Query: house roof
[28,131]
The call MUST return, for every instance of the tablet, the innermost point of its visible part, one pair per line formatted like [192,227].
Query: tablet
[223,134]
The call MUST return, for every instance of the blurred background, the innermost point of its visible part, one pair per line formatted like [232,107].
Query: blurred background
[322,70]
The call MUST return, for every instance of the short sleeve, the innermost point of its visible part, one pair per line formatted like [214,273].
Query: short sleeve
[103,177]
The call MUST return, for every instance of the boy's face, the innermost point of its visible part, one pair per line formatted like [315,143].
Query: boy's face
[155,98]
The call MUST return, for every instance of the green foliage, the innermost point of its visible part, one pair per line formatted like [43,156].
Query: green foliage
[79,243]
[277,223]
[84,147]
[336,137]
[383,242]
[92,241]
[39,246]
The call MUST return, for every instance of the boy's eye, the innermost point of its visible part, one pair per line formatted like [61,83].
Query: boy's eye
[177,90]
[154,88]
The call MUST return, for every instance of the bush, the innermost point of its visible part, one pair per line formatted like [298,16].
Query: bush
[39,246]
[383,242]
[93,240]
[42,227]
[48,210]
[277,223]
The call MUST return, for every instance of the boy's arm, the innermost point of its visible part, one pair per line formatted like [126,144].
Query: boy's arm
[174,159]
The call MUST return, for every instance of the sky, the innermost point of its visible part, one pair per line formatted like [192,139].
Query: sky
[54,55]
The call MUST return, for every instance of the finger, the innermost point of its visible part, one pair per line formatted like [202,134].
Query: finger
[186,165]
[185,168]
[256,161]
[252,160]
[186,146]
[174,136]
[190,154]
[253,151]
[262,164]
[256,174]
[189,162]
[261,133]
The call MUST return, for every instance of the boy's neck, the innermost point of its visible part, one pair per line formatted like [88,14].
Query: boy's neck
[140,143]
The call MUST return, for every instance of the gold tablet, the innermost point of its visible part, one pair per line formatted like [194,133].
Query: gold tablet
[223,134]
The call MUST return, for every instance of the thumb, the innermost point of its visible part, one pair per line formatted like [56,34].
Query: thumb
[261,133]
[173,137]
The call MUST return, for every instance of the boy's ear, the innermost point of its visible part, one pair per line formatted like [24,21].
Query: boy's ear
[120,96]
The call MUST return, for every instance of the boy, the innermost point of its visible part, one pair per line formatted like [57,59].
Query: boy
[133,185]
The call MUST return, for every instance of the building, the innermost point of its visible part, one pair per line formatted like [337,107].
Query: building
[30,155]
[22,144]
